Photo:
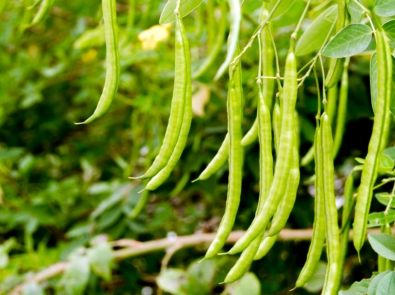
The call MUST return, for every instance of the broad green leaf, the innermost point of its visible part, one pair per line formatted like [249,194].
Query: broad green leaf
[351,40]
[389,28]
[390,152]
[248,284]
[384,8]
[282,8]
[100,259]
[355,11]
[384,199]
[375,282]
[378,218]
[316,282]
[201,276]
[186,7]
[32,289]
[173,281]
[383,244]
[361,286]
[373,83]
[3,257]
[315,35]
[387,284]
[386,163]
[76,275]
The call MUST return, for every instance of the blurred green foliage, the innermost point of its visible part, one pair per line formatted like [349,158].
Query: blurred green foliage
[61,185]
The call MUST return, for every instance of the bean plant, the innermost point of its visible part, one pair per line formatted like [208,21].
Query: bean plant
[285,80]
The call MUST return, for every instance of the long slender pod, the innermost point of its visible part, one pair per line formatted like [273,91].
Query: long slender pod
[209,61]
[347,207]
[42,11]
[234,107]
[283,163]
[265,246]
[276,125]
[221,156]
[379,134]
[178,103]
[112,60]
[265,181]
[342,110]
[235,12]
[159,178]
[336,65]
[333,271]
[282,214]
[318,238]
[332,98]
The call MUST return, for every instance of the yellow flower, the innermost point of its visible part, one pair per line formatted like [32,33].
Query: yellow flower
[151,37]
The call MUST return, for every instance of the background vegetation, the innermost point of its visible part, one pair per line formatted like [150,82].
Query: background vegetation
[62,185]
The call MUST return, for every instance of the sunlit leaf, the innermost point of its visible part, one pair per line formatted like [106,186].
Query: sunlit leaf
[383,244]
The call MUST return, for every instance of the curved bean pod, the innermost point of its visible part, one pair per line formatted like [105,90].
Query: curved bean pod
[42,12]
[112,60]
[159,178]
[265,246]
[283,163]
[318,238]
[221,156]
[333,271]
[234,107]
[342,111]
[377,141]
[178,103]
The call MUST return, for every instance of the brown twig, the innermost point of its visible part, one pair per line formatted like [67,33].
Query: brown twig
[134,248]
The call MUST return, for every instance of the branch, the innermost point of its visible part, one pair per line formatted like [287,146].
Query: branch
[132,248]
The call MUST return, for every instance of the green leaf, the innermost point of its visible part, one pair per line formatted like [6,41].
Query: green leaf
[316,282]
[378,218]
[389,28]
[313,38]
[360,160]
[201,276]
[355,11]
[32,289]
[387,284]
[282,8]
[384,8]
[186,7]
[361,287]
[383,244]
[91,38]
[76,275]
[386,163]
[375,282]
[390,152]
[100,259]
[373,83]
[384,199]
[351,40]
[248,284]
[172,280]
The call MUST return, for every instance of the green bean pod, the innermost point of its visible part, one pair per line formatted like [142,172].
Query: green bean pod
[336,65]
[265,181]
[282,214]
[319,226]
[333,271]
[221,156]
[112,60]
[265,246]
[234,108]
[347,207]
[377,141]
[342,111]
[331,111]
[283,163]
[163,174]
[45,6]
[178,103]
[276,125]
[211,58]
